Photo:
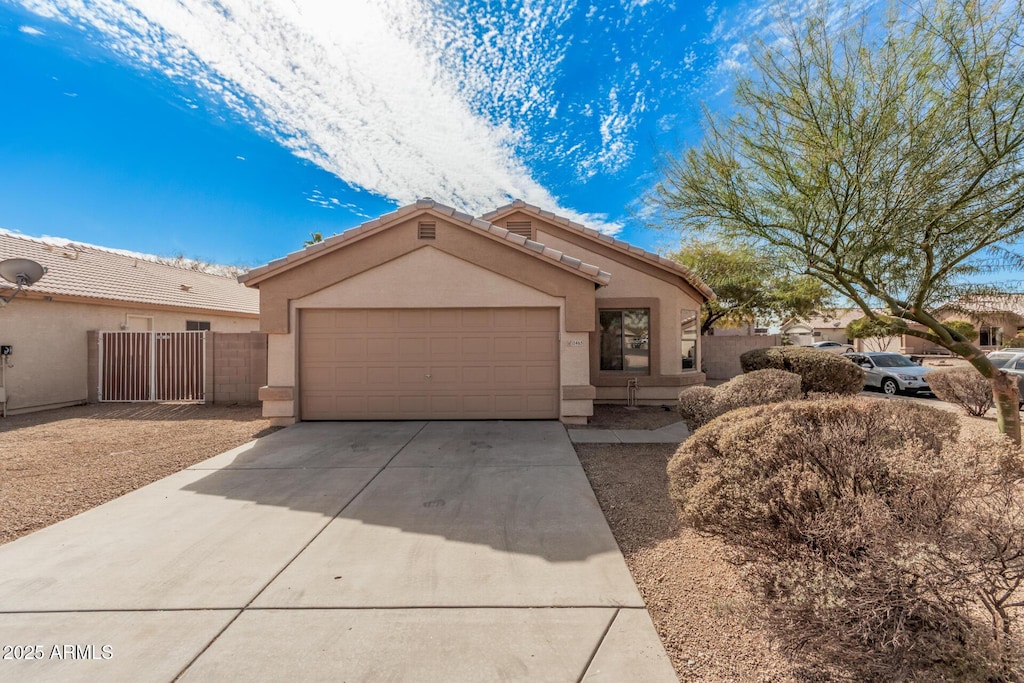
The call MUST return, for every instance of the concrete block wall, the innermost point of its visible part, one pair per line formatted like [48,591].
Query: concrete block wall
[239,366]
[721,354]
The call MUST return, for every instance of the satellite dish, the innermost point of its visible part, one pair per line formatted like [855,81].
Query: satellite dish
[21,272]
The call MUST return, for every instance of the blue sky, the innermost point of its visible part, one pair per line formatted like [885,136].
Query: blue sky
[229,130]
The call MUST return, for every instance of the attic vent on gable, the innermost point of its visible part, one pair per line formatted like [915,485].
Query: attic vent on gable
[523,228]
[427,231]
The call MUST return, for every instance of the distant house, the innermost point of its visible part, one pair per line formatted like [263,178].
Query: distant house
[90,288]
[828,326]
[430,313]
[997,319]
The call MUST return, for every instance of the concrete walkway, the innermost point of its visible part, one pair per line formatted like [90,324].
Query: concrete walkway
[673,433]
[441,551]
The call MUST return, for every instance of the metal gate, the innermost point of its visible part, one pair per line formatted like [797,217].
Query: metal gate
[152,366]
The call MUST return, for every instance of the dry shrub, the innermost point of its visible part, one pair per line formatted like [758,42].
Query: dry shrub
[883,545]
[700,405]
[963,386]
[820,371]
[697,406]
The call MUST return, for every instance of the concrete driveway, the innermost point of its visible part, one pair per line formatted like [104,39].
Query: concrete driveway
[397,551]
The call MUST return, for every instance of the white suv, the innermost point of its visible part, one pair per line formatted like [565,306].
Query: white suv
[1012,362]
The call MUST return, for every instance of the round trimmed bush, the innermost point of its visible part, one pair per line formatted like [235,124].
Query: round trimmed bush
[876,536]
[963,386]
[700,405]
[820,371]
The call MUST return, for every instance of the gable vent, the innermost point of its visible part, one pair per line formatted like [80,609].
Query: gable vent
[523,228]
[427,231]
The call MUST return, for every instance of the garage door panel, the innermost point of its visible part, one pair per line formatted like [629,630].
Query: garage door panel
[540,319]
[444,347]
[380,377]
[509,346]
[541,347]
[429,364]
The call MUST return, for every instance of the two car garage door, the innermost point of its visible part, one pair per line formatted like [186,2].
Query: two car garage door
[405,364]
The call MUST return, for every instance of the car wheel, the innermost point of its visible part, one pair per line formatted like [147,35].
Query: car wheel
[890,387]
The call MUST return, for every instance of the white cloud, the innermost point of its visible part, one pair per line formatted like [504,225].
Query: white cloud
[405,98]
[32,30]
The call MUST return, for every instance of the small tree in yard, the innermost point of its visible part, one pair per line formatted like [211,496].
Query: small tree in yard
[877,334]
[749,286]
[886,160]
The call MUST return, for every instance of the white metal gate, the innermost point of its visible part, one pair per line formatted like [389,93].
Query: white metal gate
[152,366]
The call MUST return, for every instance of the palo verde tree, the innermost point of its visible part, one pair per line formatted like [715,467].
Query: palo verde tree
[885,159]
[749,287]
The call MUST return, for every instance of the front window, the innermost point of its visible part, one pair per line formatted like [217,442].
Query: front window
[990,336]
[688,338]
[196,325]
[626,340]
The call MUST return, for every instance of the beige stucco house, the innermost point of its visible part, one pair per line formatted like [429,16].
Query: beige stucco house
[996,318]
[89,288]
[430,313]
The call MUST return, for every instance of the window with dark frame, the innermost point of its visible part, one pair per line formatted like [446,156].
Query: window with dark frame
[625,344]
[197,325]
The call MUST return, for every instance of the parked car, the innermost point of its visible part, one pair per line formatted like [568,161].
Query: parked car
[1012,362]
[890,372]
[832,347]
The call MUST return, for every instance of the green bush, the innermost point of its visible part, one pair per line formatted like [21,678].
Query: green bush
[963,386]
[1016,342]
[882,544]
[820,371]
[700,405]
[964,328]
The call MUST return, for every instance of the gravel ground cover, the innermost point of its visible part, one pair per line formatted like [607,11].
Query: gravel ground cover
[620,417]
[57,463]
[708,622]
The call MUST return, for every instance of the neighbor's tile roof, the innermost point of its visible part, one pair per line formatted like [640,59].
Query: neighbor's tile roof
[667,264]
[995,303]
[97,273]
[585,269]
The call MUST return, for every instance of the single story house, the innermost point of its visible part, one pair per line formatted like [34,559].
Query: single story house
[997,319]
[430,313]
[90,288]
[831,326]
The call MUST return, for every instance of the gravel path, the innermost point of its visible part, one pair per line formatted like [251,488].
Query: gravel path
[706,619]
[57,463]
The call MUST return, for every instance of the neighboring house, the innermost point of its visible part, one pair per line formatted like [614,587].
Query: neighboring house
[828,326]
[997,318]
[90,288]
[429,313]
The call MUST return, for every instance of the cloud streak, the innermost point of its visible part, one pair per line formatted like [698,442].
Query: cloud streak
[404,98]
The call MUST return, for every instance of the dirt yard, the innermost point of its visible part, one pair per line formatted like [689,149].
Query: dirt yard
[709,623]
[706,619]
[55,464]
[621,417]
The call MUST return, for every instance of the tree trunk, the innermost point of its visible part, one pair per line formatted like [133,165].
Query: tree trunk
[1007,400]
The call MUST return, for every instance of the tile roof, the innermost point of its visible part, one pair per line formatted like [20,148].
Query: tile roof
[97,273]
[993,303]
[585,269]
[626,247]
